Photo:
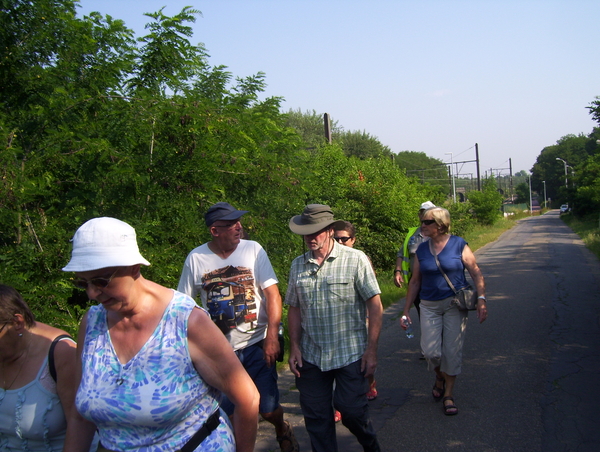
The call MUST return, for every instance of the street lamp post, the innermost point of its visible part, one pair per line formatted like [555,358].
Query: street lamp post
[545,198]
[566,165]
[530,198]
[452,176]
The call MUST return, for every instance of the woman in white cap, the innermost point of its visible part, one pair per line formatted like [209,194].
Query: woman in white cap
[443,325]
[151,362]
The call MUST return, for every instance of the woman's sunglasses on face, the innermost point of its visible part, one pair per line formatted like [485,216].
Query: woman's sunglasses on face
[427,222]
[341,239]
[102,283]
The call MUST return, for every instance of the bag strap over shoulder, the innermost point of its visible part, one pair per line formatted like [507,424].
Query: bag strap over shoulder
[440,267]
[51,366]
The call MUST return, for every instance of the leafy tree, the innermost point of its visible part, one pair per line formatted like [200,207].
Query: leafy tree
[427,170]
[595,109]
[522,193]
[311,127]
[487,203]
[167,60]
[573,149]
[363,145]
[587,196]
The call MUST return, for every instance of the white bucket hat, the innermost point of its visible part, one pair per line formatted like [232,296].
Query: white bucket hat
[104,242]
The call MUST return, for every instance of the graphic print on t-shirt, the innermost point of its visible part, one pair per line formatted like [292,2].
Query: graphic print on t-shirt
[230,298]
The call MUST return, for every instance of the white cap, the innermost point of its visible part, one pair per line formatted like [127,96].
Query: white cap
[104,242]
[427,205]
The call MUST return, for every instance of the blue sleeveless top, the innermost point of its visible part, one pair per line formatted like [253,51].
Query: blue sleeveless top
[433,284]
[157,400]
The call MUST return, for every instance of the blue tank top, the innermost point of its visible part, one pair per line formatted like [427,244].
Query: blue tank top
[433,284]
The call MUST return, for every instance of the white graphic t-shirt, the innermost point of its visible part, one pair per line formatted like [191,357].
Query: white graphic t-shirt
[231,289]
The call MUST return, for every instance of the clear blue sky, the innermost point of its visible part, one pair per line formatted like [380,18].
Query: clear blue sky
[432,76]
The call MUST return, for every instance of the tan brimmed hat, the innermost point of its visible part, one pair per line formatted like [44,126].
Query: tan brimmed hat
[315,218]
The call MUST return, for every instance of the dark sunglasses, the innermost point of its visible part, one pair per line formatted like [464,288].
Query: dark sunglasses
[341,239]
[427,222]
[101,283]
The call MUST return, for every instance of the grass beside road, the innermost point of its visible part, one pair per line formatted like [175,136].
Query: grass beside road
[477,238]
[588,228]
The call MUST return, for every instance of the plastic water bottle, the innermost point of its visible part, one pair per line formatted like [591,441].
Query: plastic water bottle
[281,339]
[409,329]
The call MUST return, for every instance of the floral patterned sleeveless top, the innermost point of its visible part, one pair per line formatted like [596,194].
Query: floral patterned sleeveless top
[156,401]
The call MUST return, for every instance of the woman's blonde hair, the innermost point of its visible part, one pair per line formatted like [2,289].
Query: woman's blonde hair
[441,217]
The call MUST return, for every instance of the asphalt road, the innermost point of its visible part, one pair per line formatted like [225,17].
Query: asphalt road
[531,372]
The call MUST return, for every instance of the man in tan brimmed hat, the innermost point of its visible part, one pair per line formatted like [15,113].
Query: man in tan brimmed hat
[331,290]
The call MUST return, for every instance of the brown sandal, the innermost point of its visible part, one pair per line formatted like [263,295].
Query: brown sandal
[287,441]
[436,388]
[450,410]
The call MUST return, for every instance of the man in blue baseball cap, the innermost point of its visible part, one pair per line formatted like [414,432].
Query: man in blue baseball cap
[237,285]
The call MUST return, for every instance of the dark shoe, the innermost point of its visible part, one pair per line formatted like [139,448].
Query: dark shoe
[287,441]
[436,391]
[450,410]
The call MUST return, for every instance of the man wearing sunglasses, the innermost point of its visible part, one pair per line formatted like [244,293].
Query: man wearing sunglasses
[405,257]
[238,286]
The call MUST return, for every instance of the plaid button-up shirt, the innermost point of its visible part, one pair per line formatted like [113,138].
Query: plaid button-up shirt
[332,305]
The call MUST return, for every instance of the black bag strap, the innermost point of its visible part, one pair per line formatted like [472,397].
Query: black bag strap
[207,428]
[440,267]
[51,366]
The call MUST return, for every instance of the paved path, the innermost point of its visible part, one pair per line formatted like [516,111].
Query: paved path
[531,371]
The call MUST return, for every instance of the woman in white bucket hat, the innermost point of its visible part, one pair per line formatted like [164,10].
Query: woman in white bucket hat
[151,362]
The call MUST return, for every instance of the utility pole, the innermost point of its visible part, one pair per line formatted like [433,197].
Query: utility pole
[478,173]
[511,180]
[327,124]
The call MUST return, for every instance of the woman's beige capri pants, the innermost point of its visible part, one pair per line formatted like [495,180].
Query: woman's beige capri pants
[443,329]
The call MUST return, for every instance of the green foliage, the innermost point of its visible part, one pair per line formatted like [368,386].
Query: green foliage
[522,193]
[461,215]
[573,149]
[363,145]
[595,109]
[311,127]
[587,196]
[487,203]
[588,228]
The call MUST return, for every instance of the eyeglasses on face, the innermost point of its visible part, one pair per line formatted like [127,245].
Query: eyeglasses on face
[228,225]
[341,239]
[102,283]
[427,222]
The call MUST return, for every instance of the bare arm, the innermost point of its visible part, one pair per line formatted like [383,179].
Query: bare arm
[369,358]
[274,307]
[470,263]
[398,277]
[295,331]
[218,365]
[65,363]
[80,432]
